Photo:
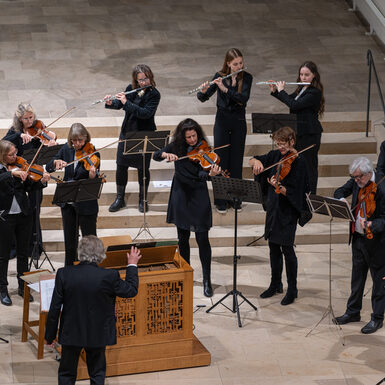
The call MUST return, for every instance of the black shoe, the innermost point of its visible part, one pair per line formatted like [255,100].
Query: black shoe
[221,209]
[117,205]
[4,297]
[272,289]
[207,289]
[372,326]
[346,318]
[21,293]
[289,298]
[141,206]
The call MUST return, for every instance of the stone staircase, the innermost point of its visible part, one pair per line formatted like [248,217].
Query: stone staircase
[342,141]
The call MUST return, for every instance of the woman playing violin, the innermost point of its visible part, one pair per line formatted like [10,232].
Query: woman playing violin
[230,120]
[284,187]
[83,214]
[189,207]
[16,216]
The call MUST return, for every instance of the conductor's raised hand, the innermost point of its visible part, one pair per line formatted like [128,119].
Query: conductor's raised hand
[133,256]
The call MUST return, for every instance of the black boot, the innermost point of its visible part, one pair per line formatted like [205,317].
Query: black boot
[290,296]
[207,289]
[272,289]
[206,270]
[4,297]
[119,200]
[143,206]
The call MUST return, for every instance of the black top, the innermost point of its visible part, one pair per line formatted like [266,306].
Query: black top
[378,217]
[283,212]
[189,206]
[15,137]
[67,154]
[381,161]
[88,293]
[232,101]
[11,186]
[306,108]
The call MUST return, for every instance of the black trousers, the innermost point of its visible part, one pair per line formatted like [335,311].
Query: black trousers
[367,256]
[71,223]
[204,246]
[230,128]
[276,264]
[311,157]
[122,175]
[96,365]
[16,227]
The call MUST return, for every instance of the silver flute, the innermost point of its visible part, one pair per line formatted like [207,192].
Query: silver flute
[125,93]
[212,82]
[289,83]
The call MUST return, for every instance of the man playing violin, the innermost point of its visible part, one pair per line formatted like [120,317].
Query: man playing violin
[16,216]
[367,236]
[284,187]
[83,214]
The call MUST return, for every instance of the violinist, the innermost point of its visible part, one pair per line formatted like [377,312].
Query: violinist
[189,207]
[367,236]
[79,214]
[308,103]
[284,187]
[140,108]
[15,218]
[230,120]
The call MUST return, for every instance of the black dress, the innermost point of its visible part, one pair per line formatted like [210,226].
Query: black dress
[230,123]
[309,128]
[189,206]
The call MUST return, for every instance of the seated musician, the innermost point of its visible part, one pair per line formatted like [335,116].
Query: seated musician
[80,214]
[284,188]
[367,236]
[15,216]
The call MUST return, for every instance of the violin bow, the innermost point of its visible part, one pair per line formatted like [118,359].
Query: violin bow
[205,152]
[289,157]
[41,146]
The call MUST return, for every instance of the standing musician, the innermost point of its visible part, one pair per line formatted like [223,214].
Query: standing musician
[15,216]
[21,134]
[380,169]
[284,187]
[367,235]
[83,214]
[308,103]
[230,120]
[140,108]
[189,205]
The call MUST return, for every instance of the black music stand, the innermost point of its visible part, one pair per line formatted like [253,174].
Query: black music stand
[334,208]
[45,155]
[235,190]
[263,123]
[144,142]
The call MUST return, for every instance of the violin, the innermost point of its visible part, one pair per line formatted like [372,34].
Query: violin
[368,205]
[35,172]
[38,130]
[87,156]
[205,156]
[284,168]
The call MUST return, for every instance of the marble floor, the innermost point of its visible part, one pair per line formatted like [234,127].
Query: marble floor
[270,348]
[58,54]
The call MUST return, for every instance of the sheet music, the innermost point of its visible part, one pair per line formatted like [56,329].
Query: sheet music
[46,291]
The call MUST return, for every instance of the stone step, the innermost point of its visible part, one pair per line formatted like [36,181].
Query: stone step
[219,235]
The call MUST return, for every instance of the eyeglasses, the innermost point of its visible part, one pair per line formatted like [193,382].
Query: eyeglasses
[78,140]
[357,176]
[280,144]
[142,80]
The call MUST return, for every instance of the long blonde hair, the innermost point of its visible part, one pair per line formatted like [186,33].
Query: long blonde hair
[22,108]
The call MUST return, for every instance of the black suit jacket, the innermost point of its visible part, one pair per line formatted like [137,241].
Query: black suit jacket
[377,218]
[305,107]
[67,154]
[87,293]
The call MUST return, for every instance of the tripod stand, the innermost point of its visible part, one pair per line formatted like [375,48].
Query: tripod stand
[236,190]
[144,142]
[334,208]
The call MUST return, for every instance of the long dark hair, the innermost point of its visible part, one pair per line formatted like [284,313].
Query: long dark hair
[316,82]
[231,54]
[145,69]
[179,135]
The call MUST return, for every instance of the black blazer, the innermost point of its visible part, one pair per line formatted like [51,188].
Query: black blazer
[305,107]
[87,293]
[139,111]
[15,137]
[10,187]
[67,154]
[377,218]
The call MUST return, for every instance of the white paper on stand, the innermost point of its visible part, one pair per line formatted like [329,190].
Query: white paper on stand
[46,291]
